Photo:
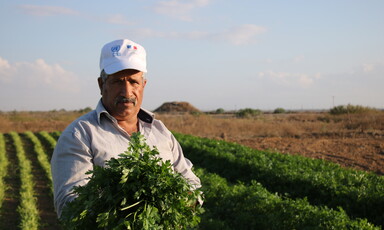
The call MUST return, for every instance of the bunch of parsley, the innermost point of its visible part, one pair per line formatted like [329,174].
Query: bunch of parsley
[135,191]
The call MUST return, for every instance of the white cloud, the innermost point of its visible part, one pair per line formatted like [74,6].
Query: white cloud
[46,10]
[298,59]
[305,80]
[376,68]
[372,70]
[5,70]
[367,75]
[118,19]
[290,79]
[38,75]
[192,35]
[239,35]
[362,85]
[368,68]
[179,9]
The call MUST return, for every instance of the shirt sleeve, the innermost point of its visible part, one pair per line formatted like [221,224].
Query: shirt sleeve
[183,165]
[71,160]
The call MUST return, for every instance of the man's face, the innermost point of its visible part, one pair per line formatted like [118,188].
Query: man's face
[122,93]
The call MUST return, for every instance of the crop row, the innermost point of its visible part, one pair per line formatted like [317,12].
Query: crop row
[48,140]
[251,206]
[322,183]
[41,157]
[3,168]
[29,214]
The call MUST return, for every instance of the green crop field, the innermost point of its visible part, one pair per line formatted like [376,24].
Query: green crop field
[243,188]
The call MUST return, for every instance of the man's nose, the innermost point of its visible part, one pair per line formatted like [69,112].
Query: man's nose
[126,88]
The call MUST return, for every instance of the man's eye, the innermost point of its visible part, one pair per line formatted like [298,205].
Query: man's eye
[133,82]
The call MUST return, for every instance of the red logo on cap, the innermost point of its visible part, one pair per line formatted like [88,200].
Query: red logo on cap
[130,46]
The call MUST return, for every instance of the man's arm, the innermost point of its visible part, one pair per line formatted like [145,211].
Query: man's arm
[70,161]
[183,165]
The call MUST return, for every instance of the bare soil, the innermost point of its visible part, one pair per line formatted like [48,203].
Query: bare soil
[360,153]
[353,141]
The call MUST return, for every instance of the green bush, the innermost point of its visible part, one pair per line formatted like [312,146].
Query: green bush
[248,112]
[219,111]
[350,109]
[279,110]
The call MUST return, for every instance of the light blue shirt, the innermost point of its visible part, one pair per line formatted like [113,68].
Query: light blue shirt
[95,138]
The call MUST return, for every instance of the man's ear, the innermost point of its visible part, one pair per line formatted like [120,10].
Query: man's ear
[101,84]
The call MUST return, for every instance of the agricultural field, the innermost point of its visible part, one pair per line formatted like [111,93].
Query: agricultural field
[351,140]
[251,177]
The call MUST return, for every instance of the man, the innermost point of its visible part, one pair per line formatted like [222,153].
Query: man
[105,132]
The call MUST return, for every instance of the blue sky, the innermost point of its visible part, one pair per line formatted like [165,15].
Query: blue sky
[296,54]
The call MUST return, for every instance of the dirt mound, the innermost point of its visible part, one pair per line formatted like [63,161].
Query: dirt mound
[177,107]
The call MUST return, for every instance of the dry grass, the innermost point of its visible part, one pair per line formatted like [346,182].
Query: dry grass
[222,126]
[36,121]
[277,125]
[355,141]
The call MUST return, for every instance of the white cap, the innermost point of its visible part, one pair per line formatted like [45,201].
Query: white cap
[122,54]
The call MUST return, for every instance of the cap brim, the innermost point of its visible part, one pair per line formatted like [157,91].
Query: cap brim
[119,66]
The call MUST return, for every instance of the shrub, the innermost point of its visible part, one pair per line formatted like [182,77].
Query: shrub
[85,110]
[279,110]
[248,112]
[220,111]
[349,109]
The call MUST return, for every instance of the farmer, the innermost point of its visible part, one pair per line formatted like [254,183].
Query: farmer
[105,132]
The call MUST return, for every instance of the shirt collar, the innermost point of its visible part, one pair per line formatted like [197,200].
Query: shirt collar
[143,115]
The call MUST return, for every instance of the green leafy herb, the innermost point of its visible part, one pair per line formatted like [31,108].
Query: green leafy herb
[135,191]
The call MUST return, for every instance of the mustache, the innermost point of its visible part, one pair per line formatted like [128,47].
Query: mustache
[122,99]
